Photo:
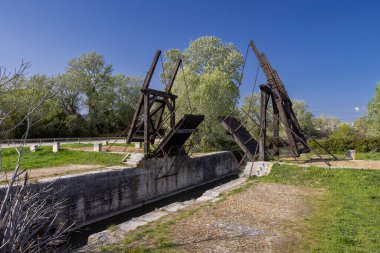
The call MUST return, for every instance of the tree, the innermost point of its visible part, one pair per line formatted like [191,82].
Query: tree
[93,77]
[126,93]
[207,84]
[70,96]
[325,125]
[28,216]
[304,116]
[251,106]
[345,131]
[361,127]
[373,115]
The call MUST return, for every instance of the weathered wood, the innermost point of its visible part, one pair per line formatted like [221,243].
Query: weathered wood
[146,124]
[133,128]
[263,124]
[283,111]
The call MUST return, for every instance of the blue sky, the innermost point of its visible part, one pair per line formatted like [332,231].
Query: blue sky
[326,52]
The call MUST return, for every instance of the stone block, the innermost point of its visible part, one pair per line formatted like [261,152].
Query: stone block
[131,225]
[97,147]
[56,147]
[33,147]
[138,145]
[350,154]
[105,142]
[257,169]
[173,207]
[152,216]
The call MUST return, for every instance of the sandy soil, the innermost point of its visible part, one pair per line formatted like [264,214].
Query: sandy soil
[353,164]
[36,174]
[111,149]
[261,219]
[253,221]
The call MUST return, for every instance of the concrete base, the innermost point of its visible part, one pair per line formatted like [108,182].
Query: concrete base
[98,147]
[107,237]
[33,147]
[56,147]
[97,195]
[105,143]
[350,154]
[257,169]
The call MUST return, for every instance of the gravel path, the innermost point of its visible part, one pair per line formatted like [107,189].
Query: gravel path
[349,164]
[257,220]
[36,174]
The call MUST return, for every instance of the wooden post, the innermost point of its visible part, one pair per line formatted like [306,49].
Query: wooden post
[172,119]
[263,123]
[146,122]
[276,130]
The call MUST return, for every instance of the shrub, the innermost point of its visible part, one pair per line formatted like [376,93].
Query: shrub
[336,145]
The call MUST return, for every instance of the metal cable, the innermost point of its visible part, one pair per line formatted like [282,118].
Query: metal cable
[253,90]
[187,90]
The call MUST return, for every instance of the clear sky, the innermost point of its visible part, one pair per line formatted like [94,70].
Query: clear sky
[326,52]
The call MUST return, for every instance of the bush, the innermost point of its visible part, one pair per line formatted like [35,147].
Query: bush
[340,145]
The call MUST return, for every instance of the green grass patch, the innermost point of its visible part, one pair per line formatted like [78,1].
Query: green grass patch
[375,156]
[46,158]
[77,145]
[347,219]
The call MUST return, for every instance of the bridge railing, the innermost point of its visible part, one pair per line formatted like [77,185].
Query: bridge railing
[61,140]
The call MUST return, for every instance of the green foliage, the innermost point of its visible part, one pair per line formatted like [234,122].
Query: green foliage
[86,100]
[372,156]
[361,127]
[345,131]
[304,116]
[251,105]
[325,125]
[26,99]
[339,145]
[347,218]
[373,116]
[209,80]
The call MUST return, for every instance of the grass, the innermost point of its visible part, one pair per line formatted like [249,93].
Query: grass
[347,218]
[77,145]
[46,158]
[368,156]
[112,228]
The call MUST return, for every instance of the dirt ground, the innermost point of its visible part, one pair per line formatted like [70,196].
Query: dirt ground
[253,221]
[261,219]
[36,174]
[111,149]
[353,164]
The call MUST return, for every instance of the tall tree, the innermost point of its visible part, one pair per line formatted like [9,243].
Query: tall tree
[92,76]
[304,116]
[373,116]
[207,84]
[344,131]
[70,96]
[325,125]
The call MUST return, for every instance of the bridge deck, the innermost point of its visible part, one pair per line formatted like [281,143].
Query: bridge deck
[176,138]
[240,134]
